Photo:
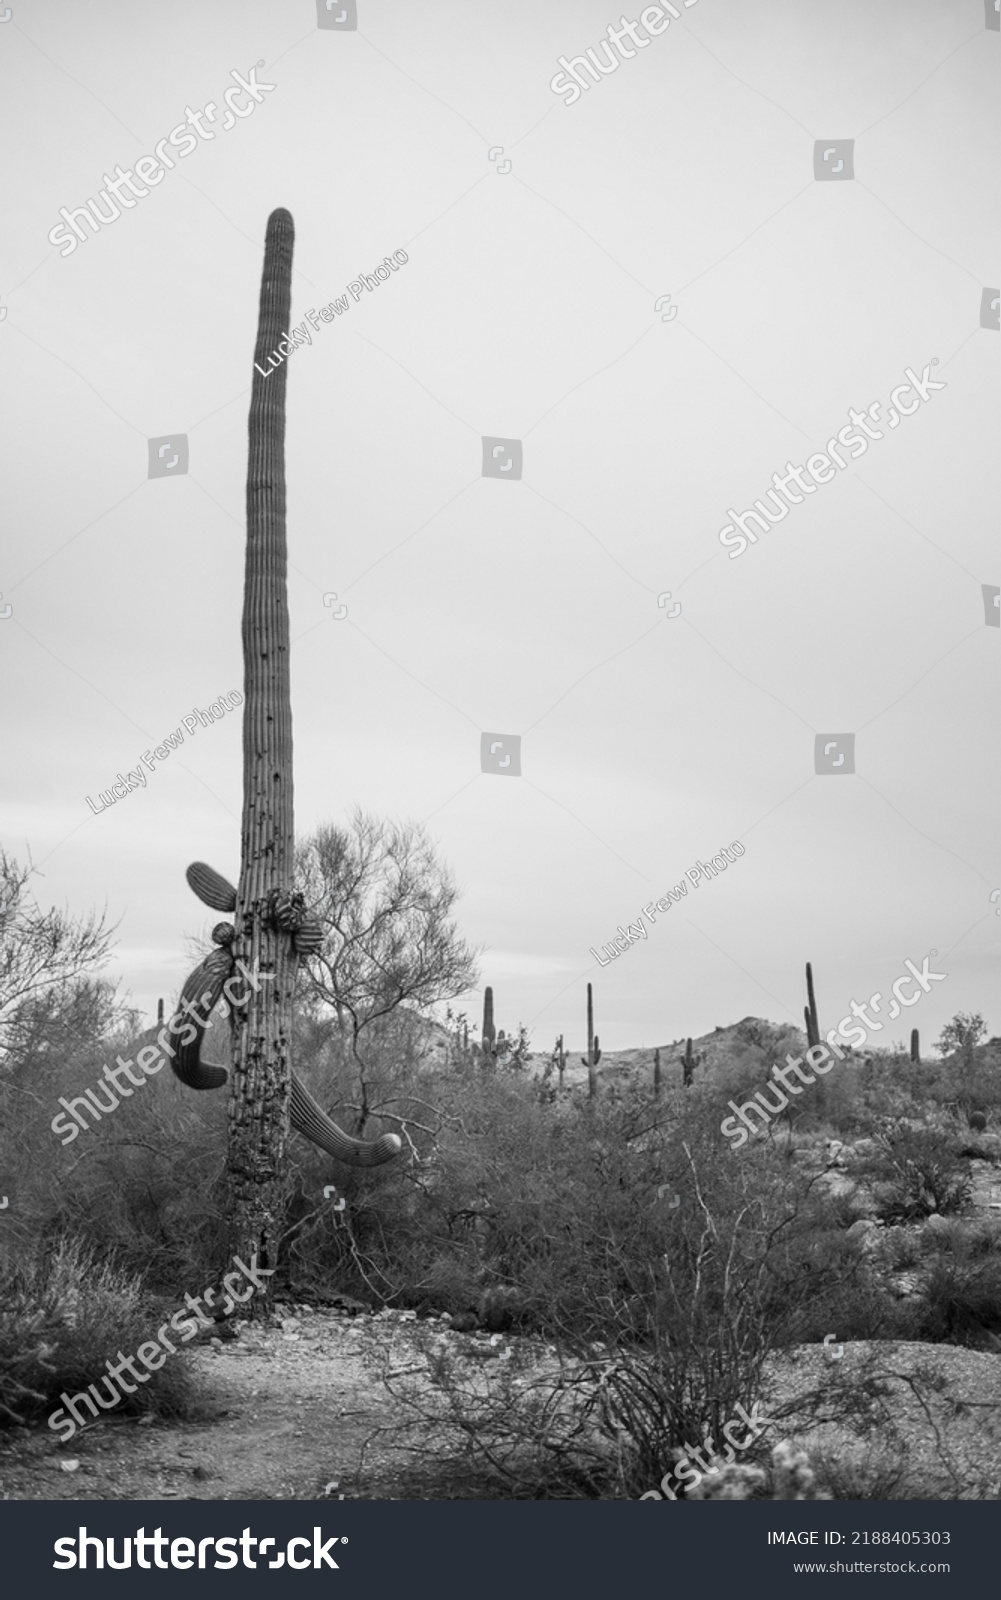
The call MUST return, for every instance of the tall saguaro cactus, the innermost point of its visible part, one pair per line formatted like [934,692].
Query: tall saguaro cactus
[915,1047]
[258,1112]
[272,929]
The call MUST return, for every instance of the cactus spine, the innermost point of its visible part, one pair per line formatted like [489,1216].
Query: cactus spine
[915,1047]
[590,1061]
[810,1011]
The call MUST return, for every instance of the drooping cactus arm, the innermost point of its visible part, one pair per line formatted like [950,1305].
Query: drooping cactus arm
[309,1119]
[202,991]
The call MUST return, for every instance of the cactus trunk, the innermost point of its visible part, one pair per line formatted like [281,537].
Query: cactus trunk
[656,1075]
[489,1033]
[590,1061]
[915,1047]
[688,1065]
[810,1013]
[259,1106]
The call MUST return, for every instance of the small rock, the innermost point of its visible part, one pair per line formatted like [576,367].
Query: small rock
[905,1286]
[866,1233]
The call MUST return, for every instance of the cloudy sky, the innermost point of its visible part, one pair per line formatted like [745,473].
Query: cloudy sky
[651,291]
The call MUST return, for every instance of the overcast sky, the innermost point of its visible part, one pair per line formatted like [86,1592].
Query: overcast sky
[524,607]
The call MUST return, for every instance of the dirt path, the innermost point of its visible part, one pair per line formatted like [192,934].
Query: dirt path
[290,1406]
[287,1408]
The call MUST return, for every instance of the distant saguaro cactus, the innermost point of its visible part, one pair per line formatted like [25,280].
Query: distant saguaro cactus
[915,1047]
[559,1058]
[656,1075]
[590,1061]
[810,1011]
[688,1065]
[488,1033]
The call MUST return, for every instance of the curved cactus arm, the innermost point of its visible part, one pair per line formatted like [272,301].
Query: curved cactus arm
[211,887]
[203,990]
[309,1119]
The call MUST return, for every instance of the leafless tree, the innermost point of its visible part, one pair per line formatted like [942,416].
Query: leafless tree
[387,904]
[48,962]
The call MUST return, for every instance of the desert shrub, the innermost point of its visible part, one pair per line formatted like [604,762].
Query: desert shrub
[62,1317]
[963,1301]
[904,1247]
[868,1478]
[917,1171]
[968,1239]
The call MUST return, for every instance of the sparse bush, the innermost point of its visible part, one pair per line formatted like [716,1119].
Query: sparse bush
[62,1319]
[917,1171]
[963,1301]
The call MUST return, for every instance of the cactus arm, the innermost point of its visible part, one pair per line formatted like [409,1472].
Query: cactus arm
[309,1119]
[211,887]
[203,990]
